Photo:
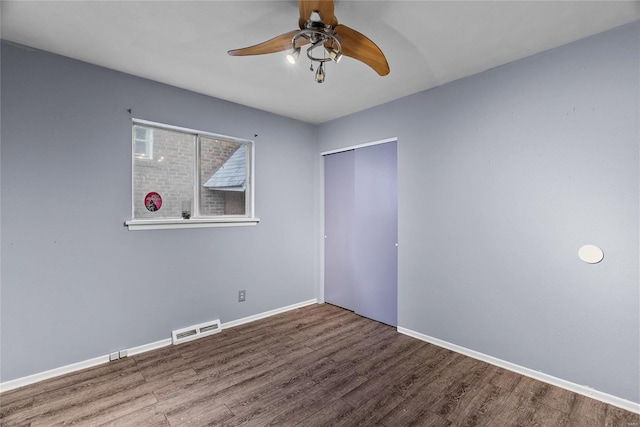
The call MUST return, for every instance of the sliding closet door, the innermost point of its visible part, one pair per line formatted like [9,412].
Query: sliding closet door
[338,226]
[376,233]
[361,229]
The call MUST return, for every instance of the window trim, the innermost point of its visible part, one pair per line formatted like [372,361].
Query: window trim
[164,224]
[249,219]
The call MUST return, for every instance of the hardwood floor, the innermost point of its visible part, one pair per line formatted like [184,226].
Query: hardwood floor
[315,366]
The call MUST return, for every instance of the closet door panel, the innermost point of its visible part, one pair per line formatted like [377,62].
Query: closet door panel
[338,224]
[375,223]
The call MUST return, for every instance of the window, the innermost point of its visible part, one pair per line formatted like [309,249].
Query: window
[187,178]
[143,142]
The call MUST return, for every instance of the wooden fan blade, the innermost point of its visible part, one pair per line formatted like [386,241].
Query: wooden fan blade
[276,44]
[323,7]
[358,46]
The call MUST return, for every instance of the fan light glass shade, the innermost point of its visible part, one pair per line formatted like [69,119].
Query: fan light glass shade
[335,55]
[320,74]
[293,55]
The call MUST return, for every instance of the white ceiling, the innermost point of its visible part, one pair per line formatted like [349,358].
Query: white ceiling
[184,44]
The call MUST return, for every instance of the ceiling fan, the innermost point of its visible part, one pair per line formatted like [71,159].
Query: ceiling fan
[328,41]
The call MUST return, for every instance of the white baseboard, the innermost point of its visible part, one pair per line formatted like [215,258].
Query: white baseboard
[255,317]
[148,347]
[550,379]
[52,373]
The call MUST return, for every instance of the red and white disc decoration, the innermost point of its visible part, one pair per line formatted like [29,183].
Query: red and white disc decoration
[153,201]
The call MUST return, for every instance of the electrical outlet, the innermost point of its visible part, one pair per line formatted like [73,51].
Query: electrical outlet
[242,295]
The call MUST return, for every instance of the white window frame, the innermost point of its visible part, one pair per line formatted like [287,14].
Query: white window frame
[248,219]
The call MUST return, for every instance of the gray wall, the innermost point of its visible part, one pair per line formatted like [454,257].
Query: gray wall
[76,284]
[502,177]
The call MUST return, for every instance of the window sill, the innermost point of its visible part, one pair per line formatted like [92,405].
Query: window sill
[164,224]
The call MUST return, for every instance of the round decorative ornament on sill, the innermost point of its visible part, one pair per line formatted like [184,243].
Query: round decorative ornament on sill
[591,254]
[153,201]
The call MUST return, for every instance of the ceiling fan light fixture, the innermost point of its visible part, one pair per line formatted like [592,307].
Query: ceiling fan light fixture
[320,74]
[319,29]
[293,55]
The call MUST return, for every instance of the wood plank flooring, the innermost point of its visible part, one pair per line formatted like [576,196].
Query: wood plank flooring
[316,366]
